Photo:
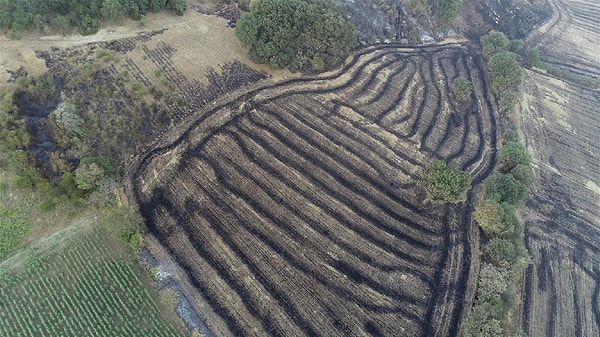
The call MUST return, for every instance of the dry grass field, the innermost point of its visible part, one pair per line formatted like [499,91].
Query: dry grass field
[293,206]
[560,122]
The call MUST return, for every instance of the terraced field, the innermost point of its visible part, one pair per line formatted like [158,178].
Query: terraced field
[293,206]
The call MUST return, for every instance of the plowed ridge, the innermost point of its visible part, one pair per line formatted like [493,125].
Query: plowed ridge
[294,209]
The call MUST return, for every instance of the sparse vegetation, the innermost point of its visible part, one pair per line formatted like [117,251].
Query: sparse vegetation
[446,11]
[302,35]
[13,227]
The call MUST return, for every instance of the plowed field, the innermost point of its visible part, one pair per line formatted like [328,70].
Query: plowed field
[561,126]
[293,206]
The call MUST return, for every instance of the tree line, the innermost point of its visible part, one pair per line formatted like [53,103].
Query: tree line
[505,256]
[84,15]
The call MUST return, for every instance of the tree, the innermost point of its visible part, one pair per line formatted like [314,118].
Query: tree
[445,184]
[490,217]
[533,58]
[302,35]
[493,43]
[446,11]
[461,88]
[513,154]
[503,187]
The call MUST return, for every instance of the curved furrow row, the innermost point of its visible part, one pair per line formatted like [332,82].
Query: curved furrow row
[381,162]
[257,189]
[309,142]
[372,81]
[397,75]
[393,111]
[483,160]
[372,208]
[247,222]
[448,127]
[315,199]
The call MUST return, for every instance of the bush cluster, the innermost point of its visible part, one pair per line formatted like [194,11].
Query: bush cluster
[302,35]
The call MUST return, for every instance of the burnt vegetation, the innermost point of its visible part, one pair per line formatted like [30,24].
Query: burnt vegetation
[294,208]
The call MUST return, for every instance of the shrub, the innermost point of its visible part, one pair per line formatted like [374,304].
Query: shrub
[461,88]
[445,184]
[92,171]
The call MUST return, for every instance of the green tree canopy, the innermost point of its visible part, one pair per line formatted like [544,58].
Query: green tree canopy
[493,43]
[494,219]
[503,187]
[513,154]
[461,88]
[505,72]
[445,184]
[302,35]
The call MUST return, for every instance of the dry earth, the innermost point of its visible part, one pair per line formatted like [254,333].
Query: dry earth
[560,123]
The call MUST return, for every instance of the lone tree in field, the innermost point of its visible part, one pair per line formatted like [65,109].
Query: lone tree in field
[302,35]
[461,88]
[445,184]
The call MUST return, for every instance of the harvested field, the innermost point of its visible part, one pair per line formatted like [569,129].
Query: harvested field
[293,206]
[571,38]
[560,122]
[561,125]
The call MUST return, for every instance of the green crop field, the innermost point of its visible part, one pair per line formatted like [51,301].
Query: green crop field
[79,287]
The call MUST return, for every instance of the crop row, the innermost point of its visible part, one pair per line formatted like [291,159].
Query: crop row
[83,289]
